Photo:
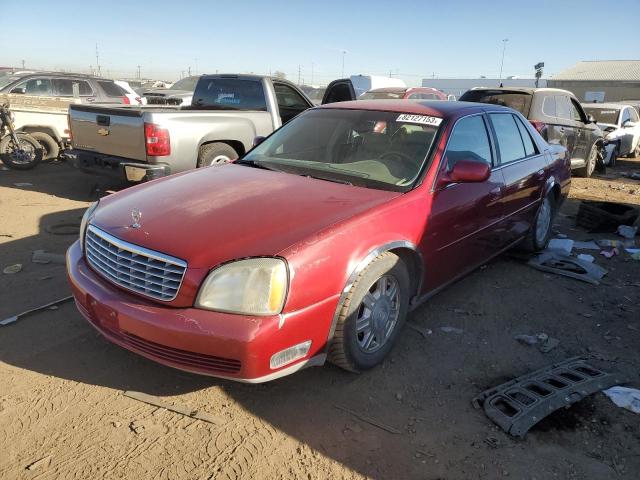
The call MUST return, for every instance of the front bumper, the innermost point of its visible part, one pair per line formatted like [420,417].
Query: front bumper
[117,167]
[223,345]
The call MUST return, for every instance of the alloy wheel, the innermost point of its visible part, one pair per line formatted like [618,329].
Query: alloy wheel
[378,314]
[543,222]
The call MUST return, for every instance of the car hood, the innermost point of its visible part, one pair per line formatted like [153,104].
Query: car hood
[210,216]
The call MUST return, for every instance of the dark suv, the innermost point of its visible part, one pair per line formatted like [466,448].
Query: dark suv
[557,115]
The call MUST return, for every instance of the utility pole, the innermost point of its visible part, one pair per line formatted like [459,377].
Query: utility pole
[23,64]
[138,72]
[311,73]
[182,74]
[189,71]
[97,59]
[504,47]
[196,72]
[344,52]
[298,74]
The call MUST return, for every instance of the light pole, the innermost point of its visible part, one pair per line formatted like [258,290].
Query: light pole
[504,47]
[344,52]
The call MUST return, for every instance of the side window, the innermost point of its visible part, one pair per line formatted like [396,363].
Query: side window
[469,141]
[529,146]
[633,114]
[64,87]
[38,87]
[563,107]
[288,98]
[510,143]
[549,106]
[626,115]
[576,112]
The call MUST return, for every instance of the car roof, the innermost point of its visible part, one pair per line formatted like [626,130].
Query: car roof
[388,89]
[64,74]
[529,90]
[436,108]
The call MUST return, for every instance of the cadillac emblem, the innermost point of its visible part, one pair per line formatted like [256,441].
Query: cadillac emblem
[136,216]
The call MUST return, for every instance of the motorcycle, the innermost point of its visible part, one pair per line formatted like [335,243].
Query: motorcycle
[18,150]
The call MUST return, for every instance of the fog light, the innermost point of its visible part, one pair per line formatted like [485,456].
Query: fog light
[289,355]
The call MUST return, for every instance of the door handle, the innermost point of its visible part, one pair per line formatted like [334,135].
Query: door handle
[540,173]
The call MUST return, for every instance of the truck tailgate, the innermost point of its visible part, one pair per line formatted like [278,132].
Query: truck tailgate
[107,130]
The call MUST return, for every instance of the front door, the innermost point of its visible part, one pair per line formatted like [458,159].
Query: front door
[463,229]
[339,91]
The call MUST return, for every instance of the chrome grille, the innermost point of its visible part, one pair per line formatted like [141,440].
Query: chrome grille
[132,267]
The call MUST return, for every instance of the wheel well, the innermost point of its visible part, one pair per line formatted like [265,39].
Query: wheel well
[413,261]
[236,145]
[37,128]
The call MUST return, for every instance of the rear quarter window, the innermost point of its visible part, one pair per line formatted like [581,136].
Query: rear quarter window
[111,89]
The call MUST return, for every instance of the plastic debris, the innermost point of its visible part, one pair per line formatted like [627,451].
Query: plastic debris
[605,216]
[23,184]
[609,253]
[11,269]
[590,245]
[586,257]
[549,345]
[626,231]
[563,244]
[425,332]
[182,410]
[554,261]
[627,243]
[15,318]
[451,330]
[369,420]
[40,256]
[527,339]
[624,397]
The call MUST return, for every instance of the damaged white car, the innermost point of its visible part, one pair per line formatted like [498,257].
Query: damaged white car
[621,126]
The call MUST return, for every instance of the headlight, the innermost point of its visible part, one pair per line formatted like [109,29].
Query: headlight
[255,286]
[85,221]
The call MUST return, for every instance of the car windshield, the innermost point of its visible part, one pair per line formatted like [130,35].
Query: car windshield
[382,95]
[374,149]
[188,83]
[603,115]
[6,80]
[520,101]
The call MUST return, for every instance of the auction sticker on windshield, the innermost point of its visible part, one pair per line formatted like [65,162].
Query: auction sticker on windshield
[423,119]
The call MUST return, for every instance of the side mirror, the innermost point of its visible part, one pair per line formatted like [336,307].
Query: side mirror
[629,124]
[21,90]
[591,119]
[468,171]
[258,140]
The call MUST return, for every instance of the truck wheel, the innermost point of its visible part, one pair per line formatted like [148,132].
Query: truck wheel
[49,145]
[590,166]
[540,231]
[371,315]
[215,153]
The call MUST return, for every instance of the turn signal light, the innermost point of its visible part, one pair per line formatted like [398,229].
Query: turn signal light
[157,140]
[288,355]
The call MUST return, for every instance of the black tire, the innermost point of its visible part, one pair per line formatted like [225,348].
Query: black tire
[614,157]
[345,350]
[536,240]
[50,147]
[216,153]
[31,156]
[590,167]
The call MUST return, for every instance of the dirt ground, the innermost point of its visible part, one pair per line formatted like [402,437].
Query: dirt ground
[63,413]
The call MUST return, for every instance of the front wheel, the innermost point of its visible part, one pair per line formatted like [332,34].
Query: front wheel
[24,156]
[371,315]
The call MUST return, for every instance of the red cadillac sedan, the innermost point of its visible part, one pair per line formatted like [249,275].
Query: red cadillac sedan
[317,243]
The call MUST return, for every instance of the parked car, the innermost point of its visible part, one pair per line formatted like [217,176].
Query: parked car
[316,243]
[621,126]
[40,103]
[557,115]
[145,142]
[394,93]
[180,93]
[134,98]
[347,89]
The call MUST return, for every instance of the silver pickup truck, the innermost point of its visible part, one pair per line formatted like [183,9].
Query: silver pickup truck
[139,143]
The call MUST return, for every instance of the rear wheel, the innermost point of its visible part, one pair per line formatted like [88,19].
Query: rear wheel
[24,156]
[216,153]
[540,232]
[590,166]
[50,147]
[371,315]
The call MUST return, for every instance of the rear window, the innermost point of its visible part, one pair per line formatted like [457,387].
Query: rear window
[64,87]
[229,94]
[519,101]
[111,89]
[603,115]
[373,95]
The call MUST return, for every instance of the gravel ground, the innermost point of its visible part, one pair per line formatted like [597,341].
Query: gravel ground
[63,413]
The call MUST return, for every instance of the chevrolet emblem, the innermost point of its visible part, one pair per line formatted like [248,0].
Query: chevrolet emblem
[103,131]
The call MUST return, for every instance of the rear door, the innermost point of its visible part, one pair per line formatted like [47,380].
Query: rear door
[463,230]
[524,170]
[570,131]
[339,91]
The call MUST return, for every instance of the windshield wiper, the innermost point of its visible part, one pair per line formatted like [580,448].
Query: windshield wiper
[256,164]
[334,180]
